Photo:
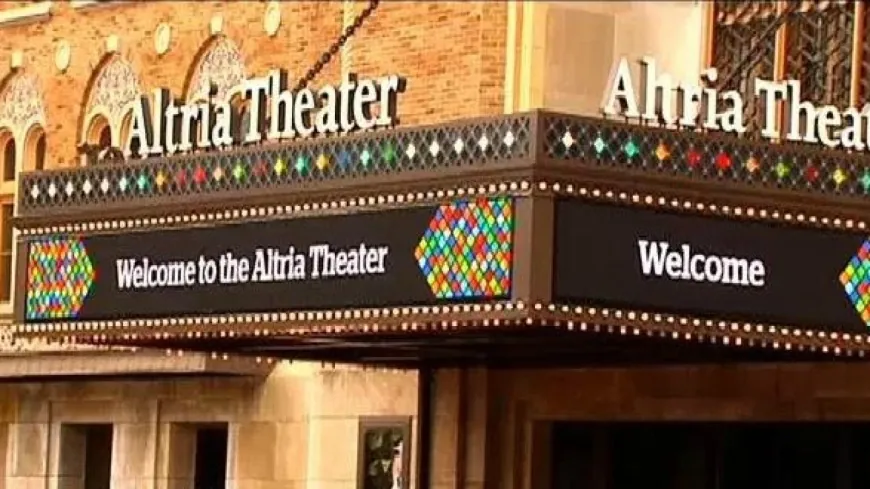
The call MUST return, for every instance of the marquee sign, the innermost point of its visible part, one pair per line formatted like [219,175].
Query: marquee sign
[702,266]
[424,255]
[692,104]
[162,126]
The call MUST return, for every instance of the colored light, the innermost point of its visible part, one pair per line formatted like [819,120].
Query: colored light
[782,170]
[662,152]
[142,182]
[599,145]
[301,164]
[280,167]
[344,159]
[723,161]
[865,181]
[631,150]
[693,158]
[365,157]
[59,277]
[467,248]
[199,175]
[752,164]
[238,172]
[839,176]
[389,153]
[260,169]
[322,162]
[811,173]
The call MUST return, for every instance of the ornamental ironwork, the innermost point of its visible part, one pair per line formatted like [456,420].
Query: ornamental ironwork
[818,52]
[720,157]
[744,48]
[289,165]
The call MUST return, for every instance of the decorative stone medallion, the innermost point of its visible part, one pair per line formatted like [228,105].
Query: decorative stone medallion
[62,55]
[272,18]
[162,38]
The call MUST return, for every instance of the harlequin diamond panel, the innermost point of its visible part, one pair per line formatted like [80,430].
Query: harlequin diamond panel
[720,158]
[59,277]
[467,250]
[292,165]
[856,281]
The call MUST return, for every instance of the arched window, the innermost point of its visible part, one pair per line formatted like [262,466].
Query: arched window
[105,140]
[39,156]
[9,160]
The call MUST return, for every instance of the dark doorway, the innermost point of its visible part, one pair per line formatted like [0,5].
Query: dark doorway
[98,456]
[210,471]
[710,455]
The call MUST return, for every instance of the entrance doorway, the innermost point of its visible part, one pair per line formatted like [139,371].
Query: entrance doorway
[85,456]
[710,455]
[210,467]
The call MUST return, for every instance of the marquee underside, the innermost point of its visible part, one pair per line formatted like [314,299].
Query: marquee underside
[527,347]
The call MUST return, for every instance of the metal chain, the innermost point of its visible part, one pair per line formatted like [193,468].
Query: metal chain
[327,55]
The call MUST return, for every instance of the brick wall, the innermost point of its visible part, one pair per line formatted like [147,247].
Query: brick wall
[452,53]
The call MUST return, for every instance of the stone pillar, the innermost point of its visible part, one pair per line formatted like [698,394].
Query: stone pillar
[533,249]
[462,438]
[28,441]
[176,456]
[133,453]
[252,454]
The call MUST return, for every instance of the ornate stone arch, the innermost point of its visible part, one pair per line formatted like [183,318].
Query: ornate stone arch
[22,113]
[219,62]
[113,89]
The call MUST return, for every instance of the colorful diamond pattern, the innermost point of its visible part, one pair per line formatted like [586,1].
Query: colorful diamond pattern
[856,281]
[578,139]
[466,252]
[59,277]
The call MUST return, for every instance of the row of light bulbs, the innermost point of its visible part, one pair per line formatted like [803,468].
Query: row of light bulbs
[301,210]
[490,190]
[497,315]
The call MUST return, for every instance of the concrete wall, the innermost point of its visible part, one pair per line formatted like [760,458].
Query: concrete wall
[581,42]
[298,429]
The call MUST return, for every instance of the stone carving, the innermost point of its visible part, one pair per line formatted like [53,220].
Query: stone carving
[21,103]
[222,65]
[116,86]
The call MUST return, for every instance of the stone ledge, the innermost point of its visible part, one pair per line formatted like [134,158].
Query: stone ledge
[33,12]
[120,364]
[82,4]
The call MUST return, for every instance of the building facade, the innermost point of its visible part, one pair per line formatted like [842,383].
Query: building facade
[437,264]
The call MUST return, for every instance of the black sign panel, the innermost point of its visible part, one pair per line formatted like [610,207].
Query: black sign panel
[455,252]
[650,260]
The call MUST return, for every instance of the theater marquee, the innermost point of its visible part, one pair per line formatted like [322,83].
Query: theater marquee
[649,260]
[424,255]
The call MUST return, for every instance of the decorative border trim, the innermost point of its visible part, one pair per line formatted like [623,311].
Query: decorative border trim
[516,188]
[31,13]
[315,208]
[498,315]
[705,207]
[688,328]
[293,323]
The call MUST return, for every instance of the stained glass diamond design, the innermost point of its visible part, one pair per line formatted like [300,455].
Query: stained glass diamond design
[466,252]
[855,279]
[59,276]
